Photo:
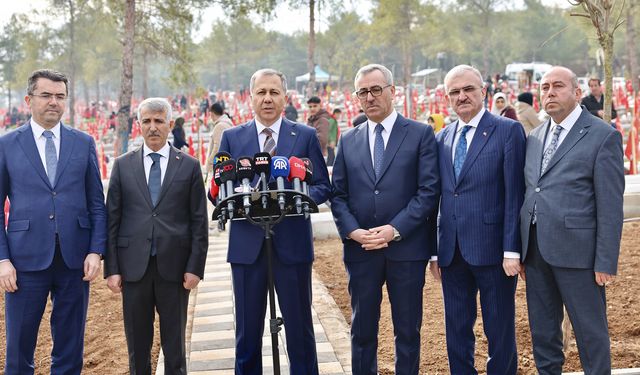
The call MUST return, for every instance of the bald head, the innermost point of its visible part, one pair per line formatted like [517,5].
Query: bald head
[560,92]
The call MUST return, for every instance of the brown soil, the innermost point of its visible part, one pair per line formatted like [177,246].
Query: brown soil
[105,349]
[623,298]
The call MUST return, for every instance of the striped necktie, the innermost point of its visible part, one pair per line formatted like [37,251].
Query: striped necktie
[269,143]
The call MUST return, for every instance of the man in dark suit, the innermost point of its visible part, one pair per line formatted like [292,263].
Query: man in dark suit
[594,102]
[56,232]
[386,186]
[158,239]
[571,223]
[292,238]
[481,159]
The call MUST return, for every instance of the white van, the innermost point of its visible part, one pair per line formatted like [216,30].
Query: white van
[525,74]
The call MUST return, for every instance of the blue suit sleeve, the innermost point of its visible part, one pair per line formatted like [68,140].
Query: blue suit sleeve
[95,203]
[513,167]
[4,191]
[345,221]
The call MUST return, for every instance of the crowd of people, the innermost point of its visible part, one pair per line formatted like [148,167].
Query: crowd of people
[478,201]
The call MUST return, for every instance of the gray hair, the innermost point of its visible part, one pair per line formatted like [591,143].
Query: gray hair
[268,72]
[388,76]
[49,74]
[156,105]
[459,70]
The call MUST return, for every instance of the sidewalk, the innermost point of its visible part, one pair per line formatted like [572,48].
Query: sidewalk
[210,328]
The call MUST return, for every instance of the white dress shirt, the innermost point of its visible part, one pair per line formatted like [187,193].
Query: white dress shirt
[566,124]
[41,141]
[164,160]
[387,124]
[275,132]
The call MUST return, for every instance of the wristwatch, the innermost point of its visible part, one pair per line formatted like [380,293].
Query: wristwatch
[396,235]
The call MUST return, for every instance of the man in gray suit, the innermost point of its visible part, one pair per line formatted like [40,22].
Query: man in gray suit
[571,223]
[158,239]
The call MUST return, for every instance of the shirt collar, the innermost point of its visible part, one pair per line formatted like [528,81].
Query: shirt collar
[475,121]
[568,121]
[164,151]
[37,129]
[275,127]
[387,123]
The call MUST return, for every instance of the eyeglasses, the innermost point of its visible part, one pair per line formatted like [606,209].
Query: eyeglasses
[466,90]
[374,90]
[48,96]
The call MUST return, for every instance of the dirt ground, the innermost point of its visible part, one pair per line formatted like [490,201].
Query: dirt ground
[105,350]
[623,298]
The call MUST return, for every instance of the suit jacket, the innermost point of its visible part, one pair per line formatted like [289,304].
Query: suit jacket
[578,199]
[73,207]
[293,237]
[178,224]
[480,208]
[405,194]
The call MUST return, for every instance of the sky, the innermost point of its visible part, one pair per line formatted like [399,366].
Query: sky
[286,20]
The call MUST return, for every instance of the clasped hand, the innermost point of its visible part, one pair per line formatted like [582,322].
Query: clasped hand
[374,238]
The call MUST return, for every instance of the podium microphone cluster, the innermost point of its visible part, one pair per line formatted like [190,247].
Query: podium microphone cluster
[262,168]
[245,174]
[280,170]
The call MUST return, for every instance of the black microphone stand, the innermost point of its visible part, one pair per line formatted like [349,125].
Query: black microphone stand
[267,218]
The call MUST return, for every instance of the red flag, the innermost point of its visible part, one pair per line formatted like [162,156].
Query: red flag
[631,150]
[619,127]
[103,163]
[6,211]
[192,152]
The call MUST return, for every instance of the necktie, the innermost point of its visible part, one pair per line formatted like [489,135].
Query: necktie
[546,157]
[155,178]
[551,149]
[461,151]
[269,143]
[378,151]
[50,156]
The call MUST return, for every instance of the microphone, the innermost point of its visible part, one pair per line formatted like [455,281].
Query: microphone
[228,177]
[245,173]
[214,190]
[280,170]
[221,157]
[308,179]
[262,167]
[297,174]
[217,172]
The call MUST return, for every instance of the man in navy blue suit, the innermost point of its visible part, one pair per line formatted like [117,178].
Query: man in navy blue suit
[292,238]
[386,187]
[481,158]
[56,232]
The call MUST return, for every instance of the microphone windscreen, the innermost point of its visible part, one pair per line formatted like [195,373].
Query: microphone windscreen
[228,170]
[244,168]
[297,168]
[217,171]
[221,157]
[262,164]
[309,172]
[279,166]
[214,190]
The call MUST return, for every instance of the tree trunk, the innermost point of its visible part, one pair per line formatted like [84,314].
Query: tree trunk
[145,73]
[311,66]
[632,56]
[9,98]
[97,88]
[607,45]
[126,82]
[85,92]
[72,65]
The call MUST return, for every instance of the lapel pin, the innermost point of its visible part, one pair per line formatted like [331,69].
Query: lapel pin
[581,130]
[177,157]
[293,133]
[484,133]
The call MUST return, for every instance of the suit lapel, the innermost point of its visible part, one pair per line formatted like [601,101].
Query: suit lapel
[449,136]
[173,166]
[361,147]
[287,138]
[67,144]
[30,149]
[248,138]
[136,161]
[480,138]
[398,133]
[579,130]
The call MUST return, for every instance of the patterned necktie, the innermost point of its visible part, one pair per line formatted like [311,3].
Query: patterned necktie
[378,151]
[461,151]
[551,149]
[269,143]
[155,177]
[50,156]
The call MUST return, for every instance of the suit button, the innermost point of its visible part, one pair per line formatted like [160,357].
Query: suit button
[155,214]
[455,194]
[51,217]
[537,190]
[54,193]
[376,192]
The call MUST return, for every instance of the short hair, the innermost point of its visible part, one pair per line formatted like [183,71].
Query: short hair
[337,110]
[594,79]
[217,108]
[268,72]
[459,70]
[49,74]
[156,105]
[388,76]
[314,100]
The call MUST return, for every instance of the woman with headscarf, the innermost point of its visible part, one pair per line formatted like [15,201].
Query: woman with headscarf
[501,107]
[436,120]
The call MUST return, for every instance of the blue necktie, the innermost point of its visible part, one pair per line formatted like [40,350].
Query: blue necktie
[155,178]
[378,151]
[50,156]
[461,151]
